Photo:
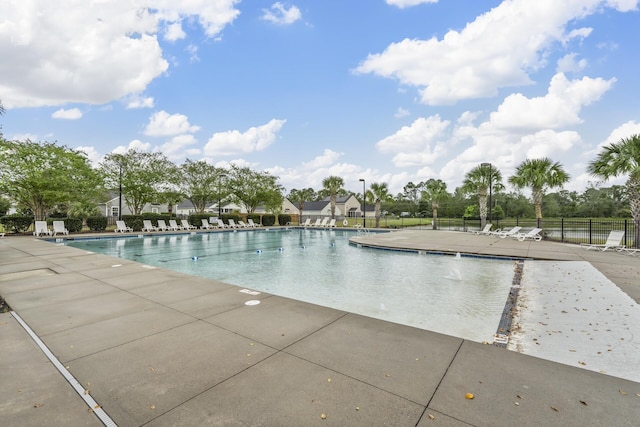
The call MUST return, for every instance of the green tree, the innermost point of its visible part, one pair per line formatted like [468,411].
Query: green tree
[333,186]
[300,197]
[5,205]
[435,190]
[41,176]
[83,210]
[380,193]
[253,188]
[622,158]
[477,182]
[143,176]
[202,183]
[539,175]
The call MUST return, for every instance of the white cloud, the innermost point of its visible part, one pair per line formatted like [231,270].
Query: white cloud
[570,64]
[408,3]
[498,49]
[279,14]
[139,102]
[71,114]
[174,32]
[136,144]
[92,154]
[418,144]
[558,108]
[234,142]
[164,124]
[106,49]
[180,147]
[401,112]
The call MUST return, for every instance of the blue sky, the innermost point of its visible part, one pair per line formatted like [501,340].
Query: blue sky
[390,91]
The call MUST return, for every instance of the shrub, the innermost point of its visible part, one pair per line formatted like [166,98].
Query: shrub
[133,221]
[97,223]
[74,225]
[268,220]
[284,219]
[16,223]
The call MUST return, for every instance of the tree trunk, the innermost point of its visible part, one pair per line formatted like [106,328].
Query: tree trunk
[633,193]
[378,203]
[333,206]
[483,209]
[537,201]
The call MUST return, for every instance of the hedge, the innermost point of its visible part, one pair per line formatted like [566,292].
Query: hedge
[97,223]
[268,220]
[284,219]
[17,223]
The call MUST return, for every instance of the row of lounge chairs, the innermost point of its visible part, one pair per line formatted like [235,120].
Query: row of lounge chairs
[324,223]
[122,227]
[206,225]
[173,225]
[41,228]
[533,234]
[613,242]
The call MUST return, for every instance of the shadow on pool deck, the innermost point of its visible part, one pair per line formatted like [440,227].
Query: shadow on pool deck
[159,348]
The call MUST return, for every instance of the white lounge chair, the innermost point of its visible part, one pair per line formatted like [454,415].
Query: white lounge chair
[614,241]
[232,223]
[627,251]
[332,223]
[221,224]
[534,234]
[506,233]
[147,226]
[486,230]
[41,227]
[324,222]
[205,225]
[252,224]
[316,224]
[58,227]
[306,223]
[121,227]
[162,225]
[242,224]
[186,225]
[173,225]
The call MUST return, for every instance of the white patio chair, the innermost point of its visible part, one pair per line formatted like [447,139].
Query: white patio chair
[534,234]
[162,225]
[614,241]
[486,230]
[58,227]
[147,226]
[252,224]
[41,227]
[186,225]
[121,227]
[173,225]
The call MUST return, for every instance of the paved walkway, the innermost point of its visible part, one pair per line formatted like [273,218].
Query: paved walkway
[159,348]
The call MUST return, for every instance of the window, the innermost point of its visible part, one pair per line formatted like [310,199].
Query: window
[114,211]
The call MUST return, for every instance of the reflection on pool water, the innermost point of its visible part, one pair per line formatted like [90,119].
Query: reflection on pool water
[460,296]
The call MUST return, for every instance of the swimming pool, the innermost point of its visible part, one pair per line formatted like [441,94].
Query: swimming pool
[460,296]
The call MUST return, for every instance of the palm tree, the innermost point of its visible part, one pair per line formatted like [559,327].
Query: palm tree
[436,191]
[540,175]
[477,182]
[301,196]
[333,186]
[380,193]
[622,157]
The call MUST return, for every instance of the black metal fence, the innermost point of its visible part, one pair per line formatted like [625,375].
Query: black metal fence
[567,230]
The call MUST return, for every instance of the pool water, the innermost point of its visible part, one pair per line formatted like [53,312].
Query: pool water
[460,296]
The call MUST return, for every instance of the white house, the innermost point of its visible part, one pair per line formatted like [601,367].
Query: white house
[111,208]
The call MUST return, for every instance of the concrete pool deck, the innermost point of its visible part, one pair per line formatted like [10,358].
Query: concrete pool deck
[159,348]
